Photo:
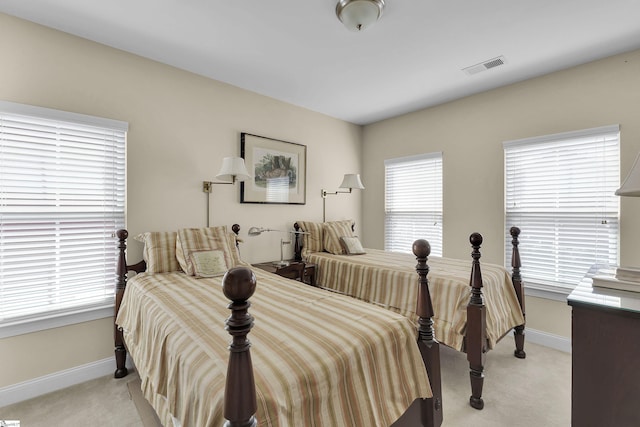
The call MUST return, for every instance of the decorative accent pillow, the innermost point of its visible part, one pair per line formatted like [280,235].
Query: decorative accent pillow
[190,240]
[159,251]
[208,263]
[311,242]
[352,245]
[332,231]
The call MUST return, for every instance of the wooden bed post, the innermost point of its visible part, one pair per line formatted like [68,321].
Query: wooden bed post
[121,282]
[518,331]
[427,343]
[122,269]
[476,326]
[297,248]
[240,405]
[425,412]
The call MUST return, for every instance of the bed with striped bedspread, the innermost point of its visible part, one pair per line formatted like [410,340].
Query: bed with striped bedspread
[320,358]
[388,280]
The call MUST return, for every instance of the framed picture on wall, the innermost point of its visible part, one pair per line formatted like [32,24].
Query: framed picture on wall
[278,170]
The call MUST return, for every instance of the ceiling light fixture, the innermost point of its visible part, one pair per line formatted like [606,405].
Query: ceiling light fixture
[357,15]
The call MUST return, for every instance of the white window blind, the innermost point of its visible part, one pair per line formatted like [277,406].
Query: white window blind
[560,192]
[62,195]
[413,202]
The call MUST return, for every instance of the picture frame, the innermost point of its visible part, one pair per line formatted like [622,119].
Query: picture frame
[278,171]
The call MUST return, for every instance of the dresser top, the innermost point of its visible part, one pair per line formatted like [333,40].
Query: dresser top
[586,294]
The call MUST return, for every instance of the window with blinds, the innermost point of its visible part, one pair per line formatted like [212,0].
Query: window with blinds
[560,192]
[62,196]
[413,202]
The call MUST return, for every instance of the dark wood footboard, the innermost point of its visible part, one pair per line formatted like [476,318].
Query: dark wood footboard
[475,343]
[475,336]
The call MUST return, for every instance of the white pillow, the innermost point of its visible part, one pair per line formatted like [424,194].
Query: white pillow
[208,263]
[352,245]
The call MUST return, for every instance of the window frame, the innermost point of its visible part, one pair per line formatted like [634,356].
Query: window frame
[434,185]
[604,205]
[57,317]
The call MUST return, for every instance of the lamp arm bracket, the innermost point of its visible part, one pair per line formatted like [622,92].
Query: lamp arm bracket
[325,193]
[207,186]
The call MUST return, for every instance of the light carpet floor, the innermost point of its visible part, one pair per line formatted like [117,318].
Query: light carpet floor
[535,391]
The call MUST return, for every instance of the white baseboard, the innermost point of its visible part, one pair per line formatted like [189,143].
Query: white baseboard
[546,339]
[58,380]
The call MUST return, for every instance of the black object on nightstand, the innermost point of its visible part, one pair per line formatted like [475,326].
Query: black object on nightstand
[297,270]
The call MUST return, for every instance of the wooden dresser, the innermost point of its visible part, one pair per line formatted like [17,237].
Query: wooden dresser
[605,339]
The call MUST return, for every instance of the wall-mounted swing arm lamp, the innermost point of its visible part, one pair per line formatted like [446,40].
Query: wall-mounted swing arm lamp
[256,231]
[350,181]
[233,170]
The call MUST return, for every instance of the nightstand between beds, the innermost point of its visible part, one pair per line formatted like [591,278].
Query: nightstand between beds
[297,270]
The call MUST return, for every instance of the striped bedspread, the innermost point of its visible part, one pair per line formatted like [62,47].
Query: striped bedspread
[389,279]
[320,359]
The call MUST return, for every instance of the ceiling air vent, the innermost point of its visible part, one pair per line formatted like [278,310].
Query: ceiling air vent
[484,66]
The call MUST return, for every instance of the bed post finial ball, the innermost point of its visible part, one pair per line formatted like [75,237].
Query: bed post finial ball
[421,248]
[238,284]
[515,231]
[475,239]
[122,234]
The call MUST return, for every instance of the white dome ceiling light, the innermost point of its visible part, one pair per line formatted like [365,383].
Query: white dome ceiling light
[357,15]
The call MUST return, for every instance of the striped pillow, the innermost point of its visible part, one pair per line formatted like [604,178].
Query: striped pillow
[233,241]
[333,231]
[159,251]
[311,242]
[191,240]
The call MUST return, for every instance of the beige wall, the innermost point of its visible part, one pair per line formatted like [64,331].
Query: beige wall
[38,354]
[180,127]
[470,133]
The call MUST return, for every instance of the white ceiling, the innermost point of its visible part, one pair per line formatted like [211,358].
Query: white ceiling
[299,52]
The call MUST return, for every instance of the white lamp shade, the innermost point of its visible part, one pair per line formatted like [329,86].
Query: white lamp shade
[233,168]
[352,180]
[357,15]
[631,185]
